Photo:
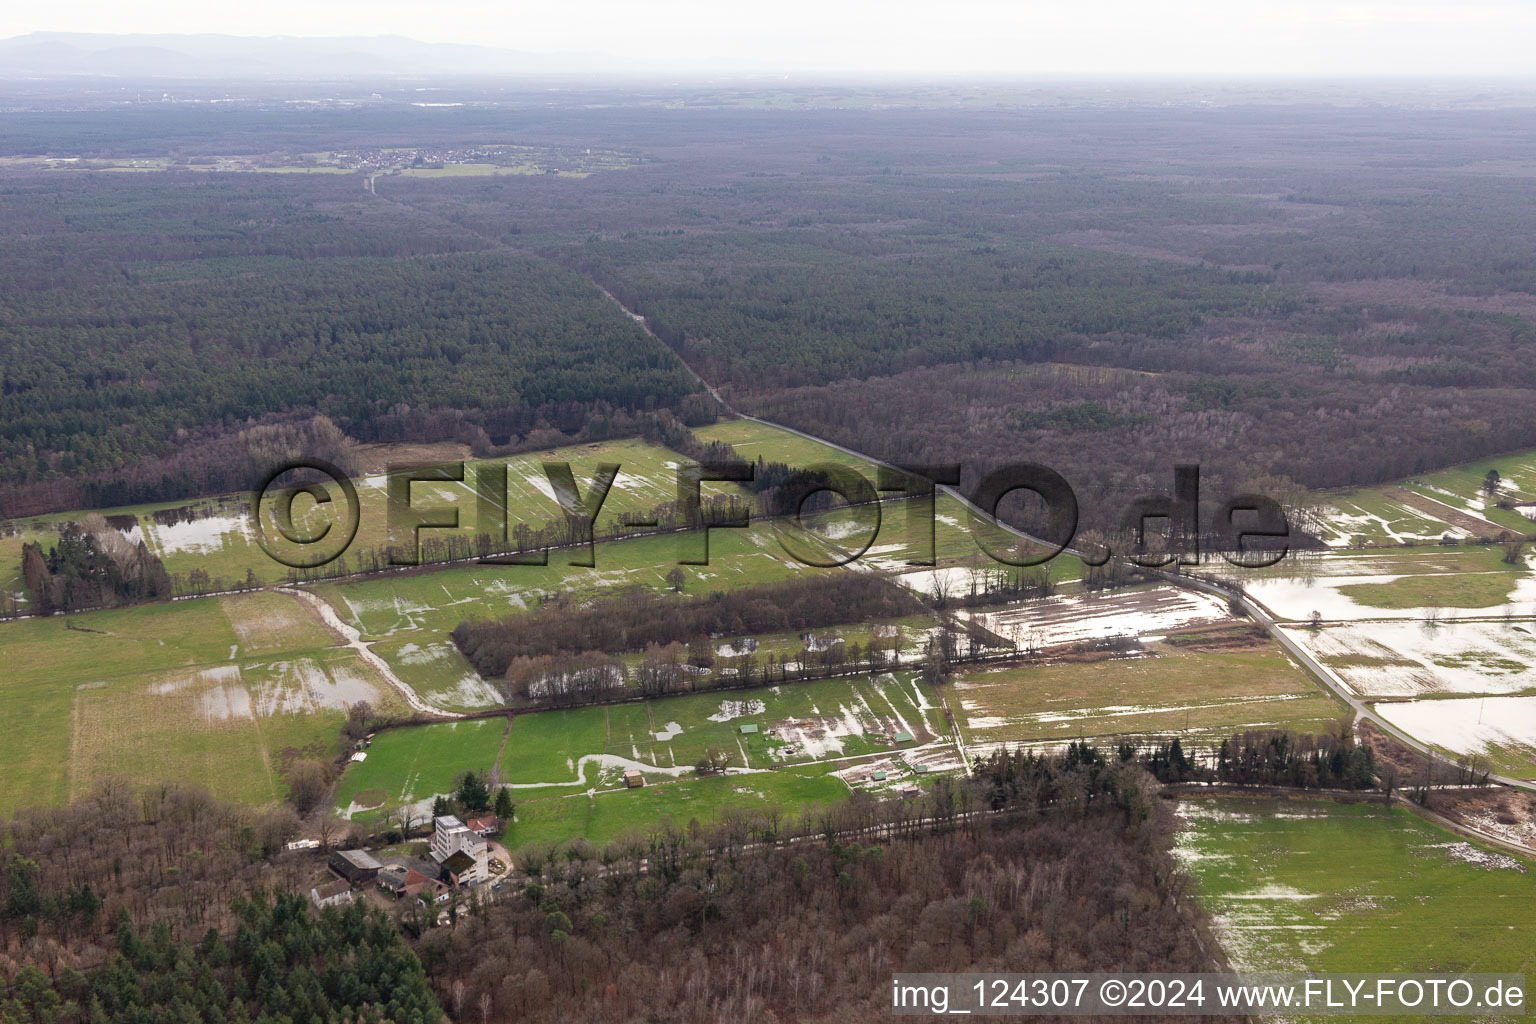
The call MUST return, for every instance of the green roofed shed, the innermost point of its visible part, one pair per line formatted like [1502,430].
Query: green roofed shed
[902,737]
[749,729]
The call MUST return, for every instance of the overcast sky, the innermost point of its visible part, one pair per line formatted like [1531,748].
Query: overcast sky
[1196,37]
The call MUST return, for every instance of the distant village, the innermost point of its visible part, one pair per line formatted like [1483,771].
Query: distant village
[388,159]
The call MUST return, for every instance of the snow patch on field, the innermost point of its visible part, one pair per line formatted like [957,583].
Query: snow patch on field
[1274,892]
[303,686]
[199,535]
[954,581]
[1470,854]
[730,709]
[1061,620]
[219,675]
[1468,725]
[1408,659]
[668,731]
[471,691]
[226,702]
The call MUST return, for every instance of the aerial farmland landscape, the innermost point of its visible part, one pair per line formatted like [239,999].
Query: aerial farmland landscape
[557,526]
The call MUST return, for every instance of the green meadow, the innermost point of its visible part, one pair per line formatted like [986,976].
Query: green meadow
[1331,887]
[223,692]
[603,817]
[1375,517]
[557,752]
[411,764]
[1168,691]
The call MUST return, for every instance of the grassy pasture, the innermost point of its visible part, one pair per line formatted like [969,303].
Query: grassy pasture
[1369,517]
[436,601]
[1205,693]
[1377,518]
[1463,577]
[603,817]
[407,765]
[1353,888]
[221,543]
[219,691]
[751,440]
[543,751]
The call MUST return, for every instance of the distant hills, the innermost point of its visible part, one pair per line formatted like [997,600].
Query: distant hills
[53,54]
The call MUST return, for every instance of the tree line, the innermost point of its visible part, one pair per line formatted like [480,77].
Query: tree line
[1268,757]
[633,621]
[93,565]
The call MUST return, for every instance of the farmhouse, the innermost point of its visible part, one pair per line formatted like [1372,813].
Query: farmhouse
[358,867]
[391,879]
[400,880]
[451,837]
[331,894]
[483,827]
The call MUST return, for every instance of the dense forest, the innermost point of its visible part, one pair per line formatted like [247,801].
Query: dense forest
[282,963]
[772,309]
[96,377]
[167,855]
[163,904]
[1105,290]
[1269,757]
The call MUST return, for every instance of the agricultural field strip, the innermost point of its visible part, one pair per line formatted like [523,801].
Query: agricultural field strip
[1464,685]
[644,736]
[1331,887]
[352,639]
[1156,689]
[1331,679]
[535,484]
[219,687]
[1458,489]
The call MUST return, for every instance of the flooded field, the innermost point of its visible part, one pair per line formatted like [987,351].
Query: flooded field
[1142,611]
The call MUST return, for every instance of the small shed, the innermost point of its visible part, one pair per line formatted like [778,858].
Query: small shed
[877,776]
[633,779]
[920,769]
[911,791]
[750,729]
[902,737]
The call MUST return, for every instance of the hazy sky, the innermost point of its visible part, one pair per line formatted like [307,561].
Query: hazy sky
[1258,37]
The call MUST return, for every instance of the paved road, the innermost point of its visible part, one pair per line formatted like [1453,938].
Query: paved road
[1323,673]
